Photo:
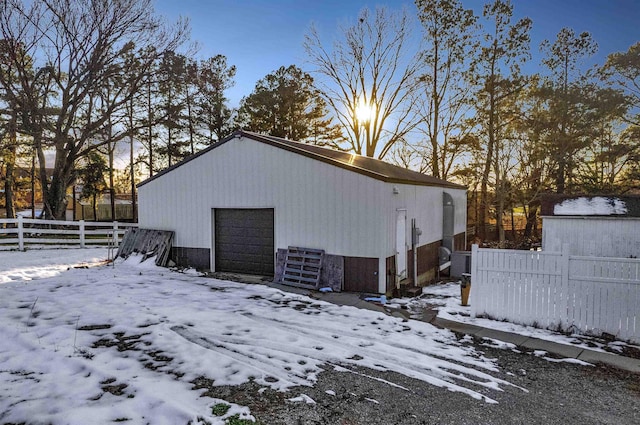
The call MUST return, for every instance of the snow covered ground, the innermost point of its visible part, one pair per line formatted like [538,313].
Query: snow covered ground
[102,343]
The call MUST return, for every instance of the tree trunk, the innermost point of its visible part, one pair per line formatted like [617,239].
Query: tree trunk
[531,220]
[131,165]
[435,156]
[500,198]
[560,173]
[150,129]
[500,202]
[484,194]
[112,190]
[190,118]
[10,161]
[33,184]
[491,89]
[111,146]
[55,199]
[54,188]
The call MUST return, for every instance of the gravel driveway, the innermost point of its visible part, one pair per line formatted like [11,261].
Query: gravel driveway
[550,393]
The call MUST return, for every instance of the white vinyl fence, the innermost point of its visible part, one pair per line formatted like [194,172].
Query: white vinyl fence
[18,233]
[555,290]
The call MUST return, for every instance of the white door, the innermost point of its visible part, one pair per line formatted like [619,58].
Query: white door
[401,244]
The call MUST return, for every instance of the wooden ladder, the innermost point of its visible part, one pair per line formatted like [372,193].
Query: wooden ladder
[302,267]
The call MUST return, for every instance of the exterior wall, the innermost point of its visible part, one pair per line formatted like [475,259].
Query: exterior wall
[198,258]
[317,205]
[425,204]
[592,236]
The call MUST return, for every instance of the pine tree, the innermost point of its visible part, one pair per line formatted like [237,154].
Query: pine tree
[497,76]
[214,78]
[449,31]
[568,122]
[286,104]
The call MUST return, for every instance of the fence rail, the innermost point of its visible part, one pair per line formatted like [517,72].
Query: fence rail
[589,295]
[22,232]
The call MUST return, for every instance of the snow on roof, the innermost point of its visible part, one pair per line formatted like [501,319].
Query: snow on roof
[591,206]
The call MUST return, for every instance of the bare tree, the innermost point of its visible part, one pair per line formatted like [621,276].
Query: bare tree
[75,49]
[498,78]
[371,72]
[449,35]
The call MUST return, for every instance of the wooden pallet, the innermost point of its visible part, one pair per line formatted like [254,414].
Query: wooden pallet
[302,267]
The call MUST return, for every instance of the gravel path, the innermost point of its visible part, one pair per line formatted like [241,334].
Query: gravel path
[556,393]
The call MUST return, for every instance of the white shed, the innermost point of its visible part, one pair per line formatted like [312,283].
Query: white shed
[236,204]
[598,226]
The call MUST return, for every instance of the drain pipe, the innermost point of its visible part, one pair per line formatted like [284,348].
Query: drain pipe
[415,236]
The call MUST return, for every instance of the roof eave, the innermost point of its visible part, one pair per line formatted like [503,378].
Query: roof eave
[308,154]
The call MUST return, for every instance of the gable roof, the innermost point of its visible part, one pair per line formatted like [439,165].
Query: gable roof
[370,167]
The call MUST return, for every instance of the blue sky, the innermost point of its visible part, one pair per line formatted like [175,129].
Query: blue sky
[259,36]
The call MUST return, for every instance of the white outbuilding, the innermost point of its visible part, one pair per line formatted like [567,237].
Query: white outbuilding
[594,226]
[240,204]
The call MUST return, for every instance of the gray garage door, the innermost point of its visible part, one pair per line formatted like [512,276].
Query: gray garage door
[244,241]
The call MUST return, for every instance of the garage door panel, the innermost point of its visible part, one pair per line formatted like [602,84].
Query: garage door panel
[244,241]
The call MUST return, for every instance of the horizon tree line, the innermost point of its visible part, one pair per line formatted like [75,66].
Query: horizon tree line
[449,97]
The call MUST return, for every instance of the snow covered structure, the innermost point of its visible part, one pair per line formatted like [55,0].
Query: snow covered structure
[236,204]
[599,226]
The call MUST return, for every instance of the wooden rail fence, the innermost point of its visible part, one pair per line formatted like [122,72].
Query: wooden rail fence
[19,233]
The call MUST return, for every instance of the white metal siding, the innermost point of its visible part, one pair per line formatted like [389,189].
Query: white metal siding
[592,236]
[316,204]
[460,202]
[425,204]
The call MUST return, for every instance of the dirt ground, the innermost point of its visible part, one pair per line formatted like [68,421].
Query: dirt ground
[545,392]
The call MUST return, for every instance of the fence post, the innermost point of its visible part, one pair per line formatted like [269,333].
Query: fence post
[82,241]
[20,233]
[114,242]
[474,280]
[566,303]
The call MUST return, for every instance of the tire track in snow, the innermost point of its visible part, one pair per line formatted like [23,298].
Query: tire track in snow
[204,342]
[432,369]
[272,370]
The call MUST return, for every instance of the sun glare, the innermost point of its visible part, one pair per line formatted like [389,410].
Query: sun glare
[364,111]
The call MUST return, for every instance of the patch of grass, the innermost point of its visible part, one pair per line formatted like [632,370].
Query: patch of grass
[115,389]
[235,420]
[93,327]
[83,352]
[220,409]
